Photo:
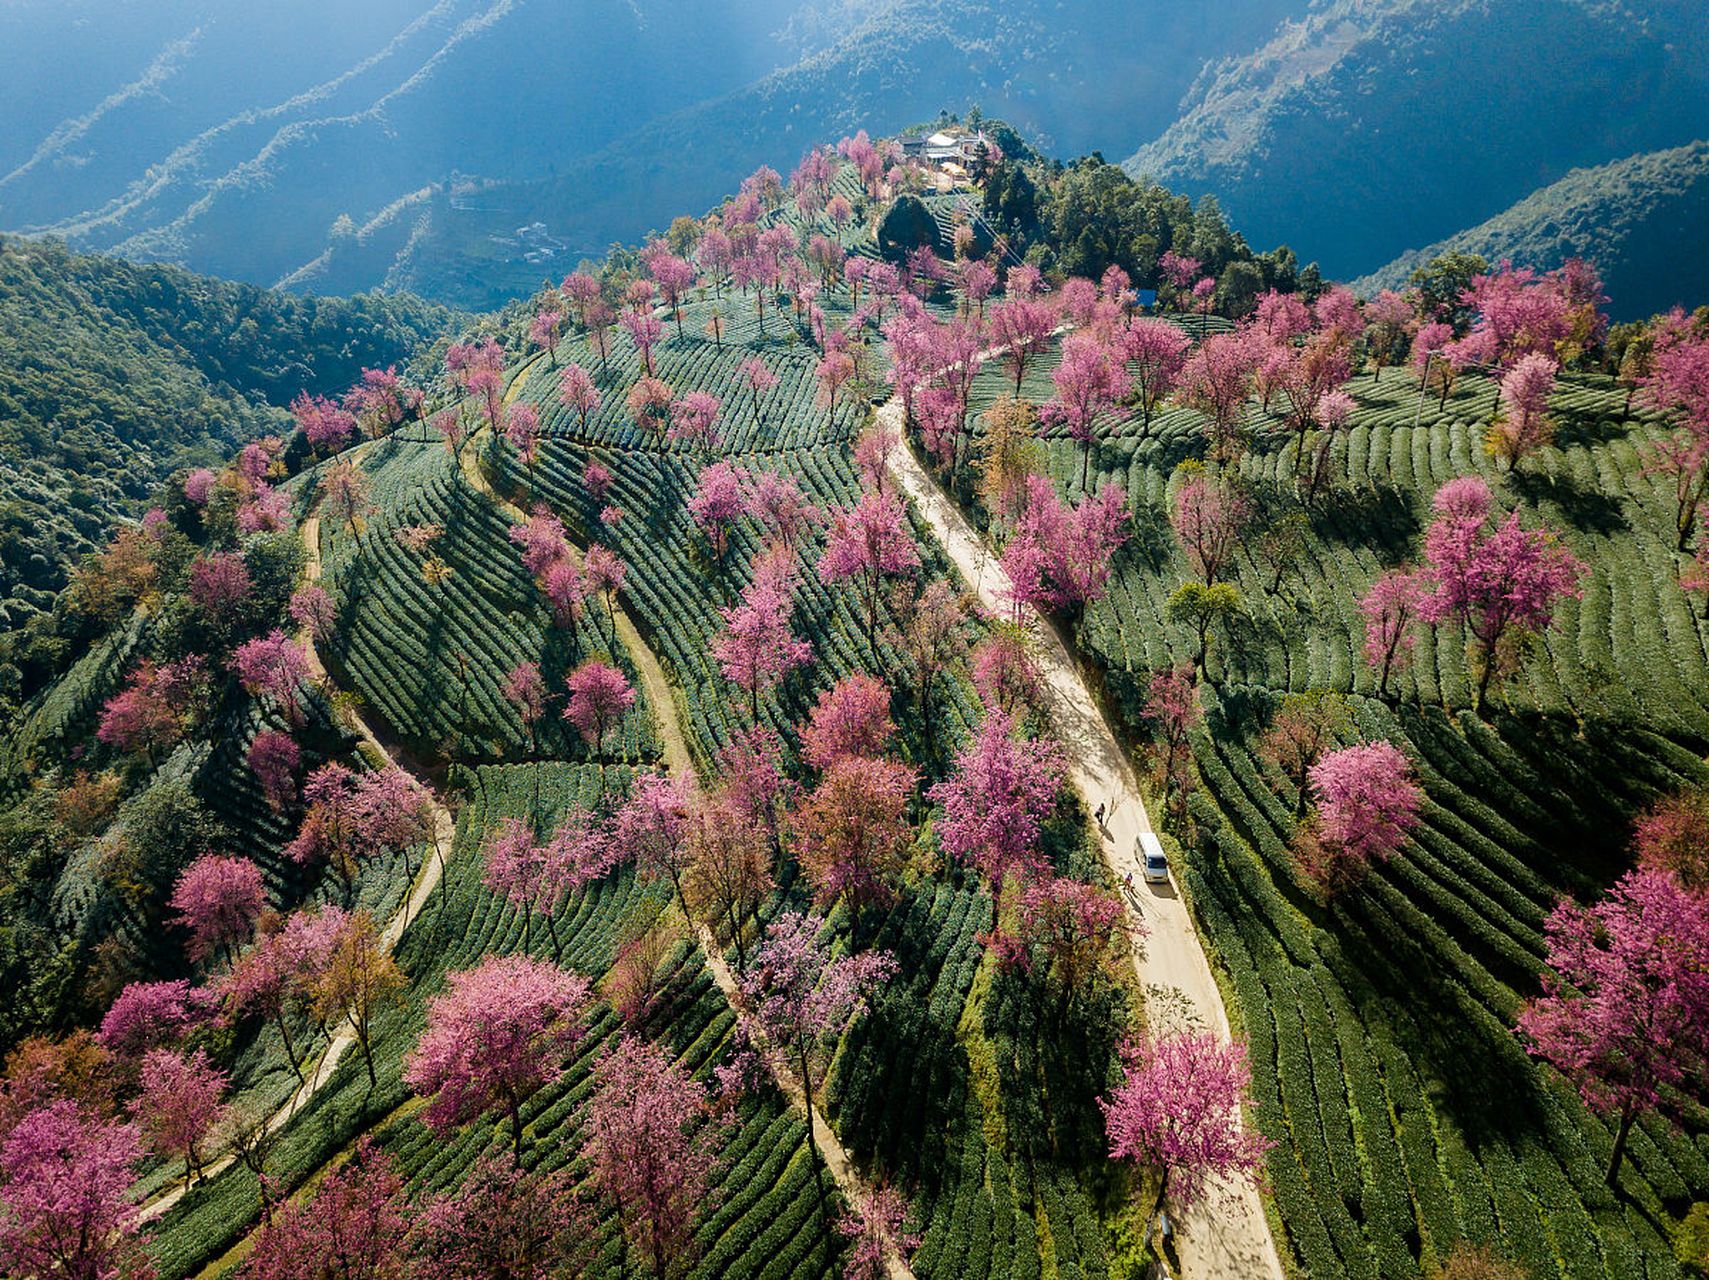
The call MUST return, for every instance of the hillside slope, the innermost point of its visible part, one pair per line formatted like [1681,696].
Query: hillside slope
[1375,127]
[1640,220]
[112,376]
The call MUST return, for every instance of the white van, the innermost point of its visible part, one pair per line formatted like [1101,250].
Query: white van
[1151,859]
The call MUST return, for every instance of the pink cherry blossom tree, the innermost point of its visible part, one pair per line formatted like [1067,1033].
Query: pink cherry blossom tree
[273,757]
[1672,835]
[381,402]
[494,1037]
[995,802]
[852,833]
[217,901]
[543,331]
[833,372]
[757,649]
[603,575]
[478,367]
[275,978]
[600,695]
[757,376]
[1059,557]
[720,499]
[801,993]
[576,391]
[851,718]
[353,1227]
[649,403]
[1005,674]
[694,421]
[154,708]
[875,1225]
[1155,352]
[516,871]
[147,1015]
[324,425]
[501,1222]
[783,512]
[675,277]
[525,690]
[219,586]
[522,433]
[1177,1111]
[1022,327]
[1391,607]
[1089,380]
[65,1204]
[312,609]
[652,1149]
[1209,518]
[273,666]
[1524,425]
[1367,803]
[1625,1006]
[1498,582]
[1178,269]
[199,486]
[651,828]
[180,1105]
[1076,932]
[869,542]
[1677,387]
[1217,380]
[1172,709]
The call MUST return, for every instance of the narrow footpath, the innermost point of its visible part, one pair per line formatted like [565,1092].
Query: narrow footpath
[1227,1236]
[679,761]
[426,881]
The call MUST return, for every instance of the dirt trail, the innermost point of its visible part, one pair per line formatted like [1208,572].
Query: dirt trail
[836,1157]
[426,881]
[1227,1235]
[661,696]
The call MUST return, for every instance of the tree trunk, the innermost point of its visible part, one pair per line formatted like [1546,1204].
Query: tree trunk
[1620,1136]
[290,1049]
[516,1131]
[1488,656]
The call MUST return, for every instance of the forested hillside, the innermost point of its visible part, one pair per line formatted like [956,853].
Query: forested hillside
[1641,219]
[114,376]
[1375,126]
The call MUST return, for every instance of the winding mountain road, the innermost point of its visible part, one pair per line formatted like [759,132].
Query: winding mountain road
[1227,1236]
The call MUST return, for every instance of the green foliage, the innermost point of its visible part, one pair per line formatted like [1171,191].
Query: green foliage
[907,225]
[1385,1065]
[1691,1239]
[118,375]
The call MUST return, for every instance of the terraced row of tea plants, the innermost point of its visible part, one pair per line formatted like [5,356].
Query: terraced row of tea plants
[426,639]
[1004,1181]
[766,1220]
[1406,1111]
[675,585]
